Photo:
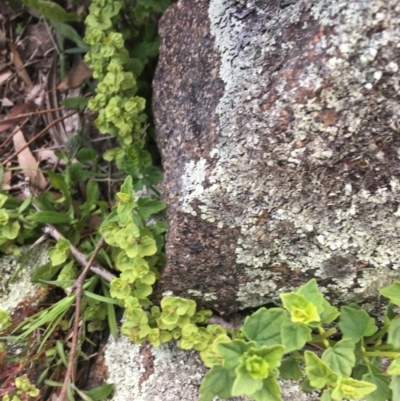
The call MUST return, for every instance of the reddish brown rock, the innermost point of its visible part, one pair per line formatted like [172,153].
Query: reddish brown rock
[278,124]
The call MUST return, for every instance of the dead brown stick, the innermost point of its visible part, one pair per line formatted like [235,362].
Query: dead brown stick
[30,114]
[10,137]
[38,135]
[54,233]
[78,295]
[79,256]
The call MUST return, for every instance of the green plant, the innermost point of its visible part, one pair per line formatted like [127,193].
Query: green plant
[292,342]
[24,391]
[138,244]
[299,341]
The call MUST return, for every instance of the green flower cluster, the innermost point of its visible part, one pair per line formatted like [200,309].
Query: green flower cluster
[24,390]
[137,255]
[120,111]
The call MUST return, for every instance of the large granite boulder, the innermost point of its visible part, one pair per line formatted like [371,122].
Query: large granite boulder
[278,124]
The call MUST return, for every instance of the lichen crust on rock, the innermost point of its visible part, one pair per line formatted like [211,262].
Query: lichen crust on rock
[16,276]
[166,373]
[299,176]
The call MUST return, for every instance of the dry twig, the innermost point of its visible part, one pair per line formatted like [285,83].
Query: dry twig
[78,295]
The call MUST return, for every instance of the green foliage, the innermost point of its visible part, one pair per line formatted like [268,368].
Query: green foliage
[4,319]
[25,390]
[274,346]
[51,10]
[275,342]
[59,253]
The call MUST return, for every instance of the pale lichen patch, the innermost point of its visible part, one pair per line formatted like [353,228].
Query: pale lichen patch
[14,289]
[297,173]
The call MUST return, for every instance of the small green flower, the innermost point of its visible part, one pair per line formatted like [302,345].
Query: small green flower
[59,253]
[134,104]
[127,238]
[301,310]
[119,288]
[96,20]
[115,38]
[194,337]
[136,333]
[93,36]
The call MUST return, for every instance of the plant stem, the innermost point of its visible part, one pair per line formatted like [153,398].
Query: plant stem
[389,354]
[78,294]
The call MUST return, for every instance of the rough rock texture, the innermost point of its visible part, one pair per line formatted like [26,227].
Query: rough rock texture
[15,277]
[167,373]
[278,124]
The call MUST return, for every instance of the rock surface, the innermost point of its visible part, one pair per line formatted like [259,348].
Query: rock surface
[15,277]
[278,124]
[167,373]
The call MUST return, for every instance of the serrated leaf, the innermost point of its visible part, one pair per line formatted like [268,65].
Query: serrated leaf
[392,292]
[382,383]
[294,336]
[301,310]
[49,217]
[232,351]
[244,383]
[312,294]
[340,358]
[355,323]
[351,389]
[264,326]
[318,372]
[270,391]
[217,382]
[290,369]
[394,333]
